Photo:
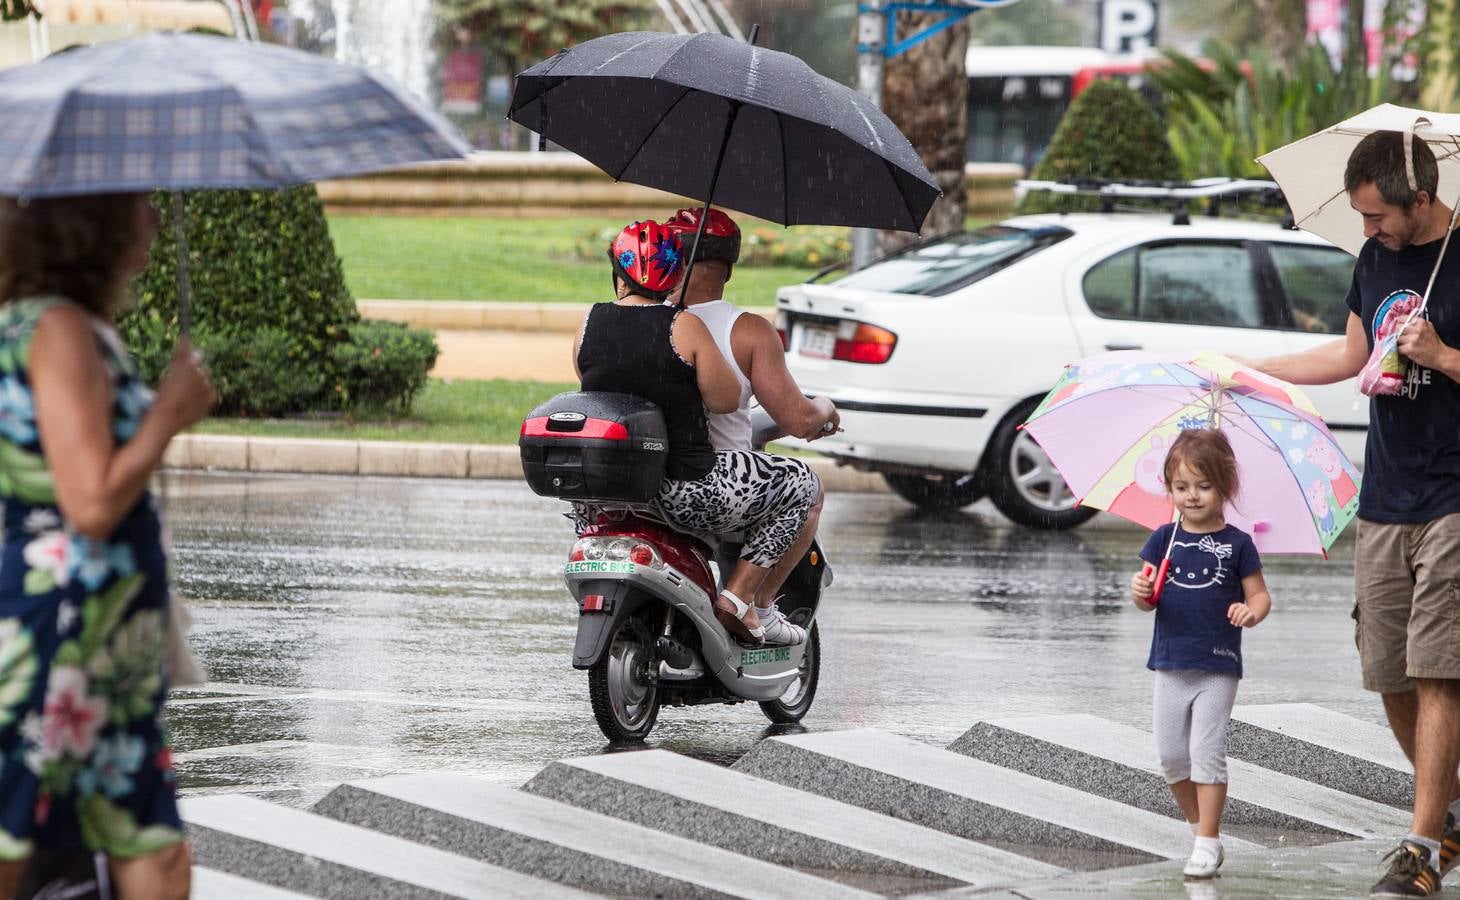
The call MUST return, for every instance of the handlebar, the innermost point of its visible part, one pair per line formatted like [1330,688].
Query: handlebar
[763,429]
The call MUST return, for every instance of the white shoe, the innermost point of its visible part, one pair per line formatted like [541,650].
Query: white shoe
[778,630]
[1204,863]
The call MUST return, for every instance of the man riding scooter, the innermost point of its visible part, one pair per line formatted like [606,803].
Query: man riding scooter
[758,359]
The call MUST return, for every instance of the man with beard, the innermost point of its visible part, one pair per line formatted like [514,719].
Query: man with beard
[1407,558]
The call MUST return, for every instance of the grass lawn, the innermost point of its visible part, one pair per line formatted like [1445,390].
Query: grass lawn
[447,412]
[453,412]
[428,258]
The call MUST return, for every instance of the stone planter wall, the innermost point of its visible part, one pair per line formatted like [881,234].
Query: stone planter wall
[560,184]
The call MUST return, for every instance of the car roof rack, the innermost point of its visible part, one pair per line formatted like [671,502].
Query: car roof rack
[1178,193]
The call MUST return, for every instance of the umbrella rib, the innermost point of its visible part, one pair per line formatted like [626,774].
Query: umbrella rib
[619,55]
[1302,492]
[660,121]
[564,79]
[1147,390]
[1324,205]
[785,171]
[1320,208]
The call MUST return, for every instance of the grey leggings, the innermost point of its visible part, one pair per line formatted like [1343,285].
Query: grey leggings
[767,497]
[1191,711]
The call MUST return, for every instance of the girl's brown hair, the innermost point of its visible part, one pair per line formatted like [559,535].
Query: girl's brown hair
[68,246]
[1208,454]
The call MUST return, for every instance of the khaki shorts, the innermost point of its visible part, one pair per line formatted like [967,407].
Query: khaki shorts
[1407,585]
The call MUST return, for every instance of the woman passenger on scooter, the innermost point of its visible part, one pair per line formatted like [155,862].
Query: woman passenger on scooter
[638,345]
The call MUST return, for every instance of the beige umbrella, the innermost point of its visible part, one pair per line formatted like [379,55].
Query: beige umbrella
[1310,171]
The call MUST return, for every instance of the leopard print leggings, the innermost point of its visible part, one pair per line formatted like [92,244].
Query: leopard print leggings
[767,497]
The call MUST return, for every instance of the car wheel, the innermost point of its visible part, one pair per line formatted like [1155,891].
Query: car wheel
[1023,483]
[950,491]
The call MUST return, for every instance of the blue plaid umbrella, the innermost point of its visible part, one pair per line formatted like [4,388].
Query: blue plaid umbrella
[186,111]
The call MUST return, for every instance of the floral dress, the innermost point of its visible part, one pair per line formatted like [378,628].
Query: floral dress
[84,757]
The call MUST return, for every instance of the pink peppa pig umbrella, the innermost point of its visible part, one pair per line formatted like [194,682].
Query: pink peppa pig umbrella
[1109,421]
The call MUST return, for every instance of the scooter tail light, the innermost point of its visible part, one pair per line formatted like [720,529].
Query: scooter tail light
[576,554]
[645,555]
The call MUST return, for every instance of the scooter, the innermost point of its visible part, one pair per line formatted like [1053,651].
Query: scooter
[647,633]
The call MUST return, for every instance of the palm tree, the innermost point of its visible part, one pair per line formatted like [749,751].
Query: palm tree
[925,93]
[1278,26]
[1437,56]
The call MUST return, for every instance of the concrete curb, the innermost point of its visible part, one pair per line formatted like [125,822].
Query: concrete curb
[226,453]
[488,315]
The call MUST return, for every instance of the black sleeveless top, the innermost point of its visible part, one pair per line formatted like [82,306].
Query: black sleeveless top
[628,349]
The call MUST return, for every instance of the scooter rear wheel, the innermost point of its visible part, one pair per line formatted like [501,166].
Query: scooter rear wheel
[791,706]
[625,701]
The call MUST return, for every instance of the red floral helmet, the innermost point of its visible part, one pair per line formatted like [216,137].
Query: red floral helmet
[648,256]
[721,239]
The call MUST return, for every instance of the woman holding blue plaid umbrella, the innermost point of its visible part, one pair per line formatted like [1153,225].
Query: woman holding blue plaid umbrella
[84,757]
[84,761]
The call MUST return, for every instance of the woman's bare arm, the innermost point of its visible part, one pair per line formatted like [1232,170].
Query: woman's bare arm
[96,481]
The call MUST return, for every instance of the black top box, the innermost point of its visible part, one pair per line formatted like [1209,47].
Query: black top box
[592,445]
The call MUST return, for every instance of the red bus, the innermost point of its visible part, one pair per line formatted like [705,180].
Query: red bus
[1016,95]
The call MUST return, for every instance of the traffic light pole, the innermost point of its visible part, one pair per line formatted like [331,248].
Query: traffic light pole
[872,23]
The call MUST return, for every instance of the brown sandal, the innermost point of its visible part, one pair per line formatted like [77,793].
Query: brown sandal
[733,619]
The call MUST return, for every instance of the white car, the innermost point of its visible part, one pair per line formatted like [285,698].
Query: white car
[934,357]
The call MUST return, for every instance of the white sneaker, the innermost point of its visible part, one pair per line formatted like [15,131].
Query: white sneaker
[778,629]
[1204,863]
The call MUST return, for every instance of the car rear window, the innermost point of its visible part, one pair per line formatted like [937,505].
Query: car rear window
[944,266]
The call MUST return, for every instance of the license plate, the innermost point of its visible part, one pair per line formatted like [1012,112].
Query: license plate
[818,341]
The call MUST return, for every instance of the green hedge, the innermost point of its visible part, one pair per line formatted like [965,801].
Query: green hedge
[269,308]
[383,365]
[1109,132]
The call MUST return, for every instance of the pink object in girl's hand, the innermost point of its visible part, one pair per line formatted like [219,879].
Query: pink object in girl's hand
[1159,578]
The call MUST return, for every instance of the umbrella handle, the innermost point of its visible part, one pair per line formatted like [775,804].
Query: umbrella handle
[1159,575]
[184,282]
[694,248]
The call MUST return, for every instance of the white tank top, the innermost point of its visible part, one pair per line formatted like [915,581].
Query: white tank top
[728,431]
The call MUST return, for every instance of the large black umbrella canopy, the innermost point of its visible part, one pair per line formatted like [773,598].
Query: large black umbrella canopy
[662,109]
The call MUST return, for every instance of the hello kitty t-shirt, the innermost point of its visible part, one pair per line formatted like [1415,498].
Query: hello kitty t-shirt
[1204,580]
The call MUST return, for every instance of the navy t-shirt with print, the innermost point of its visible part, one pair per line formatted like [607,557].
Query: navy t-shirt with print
[1412,458]
[1204,580]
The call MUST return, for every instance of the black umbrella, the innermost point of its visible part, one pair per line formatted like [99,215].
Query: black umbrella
[707,116]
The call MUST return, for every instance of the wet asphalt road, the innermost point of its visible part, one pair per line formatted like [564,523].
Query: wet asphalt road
[358,627]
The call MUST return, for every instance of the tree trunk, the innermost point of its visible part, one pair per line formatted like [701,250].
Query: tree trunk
[925,93]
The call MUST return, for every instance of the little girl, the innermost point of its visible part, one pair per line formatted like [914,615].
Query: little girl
[1213,590]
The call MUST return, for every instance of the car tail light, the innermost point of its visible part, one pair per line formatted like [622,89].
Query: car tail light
[783,329]
[859,342]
